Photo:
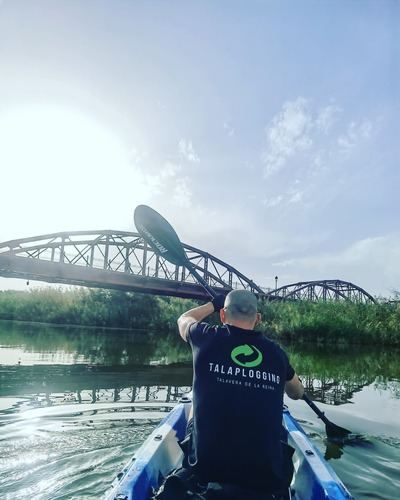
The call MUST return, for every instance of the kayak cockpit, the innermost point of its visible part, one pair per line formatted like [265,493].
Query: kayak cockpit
[160,454]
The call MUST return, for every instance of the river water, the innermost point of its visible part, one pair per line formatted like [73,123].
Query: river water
[76,403]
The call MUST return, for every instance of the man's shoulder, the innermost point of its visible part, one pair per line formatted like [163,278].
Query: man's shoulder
[199,326]
[203,326]
[200,330]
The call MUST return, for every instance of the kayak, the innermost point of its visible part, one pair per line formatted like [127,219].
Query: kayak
[313,479]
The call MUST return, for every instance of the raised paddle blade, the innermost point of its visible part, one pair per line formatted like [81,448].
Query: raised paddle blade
[162,238]
[160,235]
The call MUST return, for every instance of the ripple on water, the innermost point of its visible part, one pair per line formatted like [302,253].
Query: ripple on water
[80,463]
[372,470]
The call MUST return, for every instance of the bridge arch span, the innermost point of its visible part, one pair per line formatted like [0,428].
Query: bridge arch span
[115,259]
[322,290]
[122,260]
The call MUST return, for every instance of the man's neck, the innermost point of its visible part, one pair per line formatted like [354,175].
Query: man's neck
[241,324]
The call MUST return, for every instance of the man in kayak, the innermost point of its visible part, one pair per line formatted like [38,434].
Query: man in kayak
[239,379]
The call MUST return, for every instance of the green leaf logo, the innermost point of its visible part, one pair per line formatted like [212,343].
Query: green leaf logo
[244,355]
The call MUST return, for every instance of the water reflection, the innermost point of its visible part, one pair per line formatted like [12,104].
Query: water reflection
[61,360]
[44,344]
[76,403]
[335,376]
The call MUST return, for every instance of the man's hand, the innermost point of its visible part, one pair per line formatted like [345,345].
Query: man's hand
[218,302]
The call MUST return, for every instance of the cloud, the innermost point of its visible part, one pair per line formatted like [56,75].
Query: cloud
[136,157]
[299,129]
[296,196]
[289,197]
[288,134]
[324,149]
[169,183]
[371,263]
[229,129]
[327,117]
[273,201]
[355,133]
[187,151]
[182,194]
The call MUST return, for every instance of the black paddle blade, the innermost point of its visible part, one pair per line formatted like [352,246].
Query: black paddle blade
[333,431]
[159,234]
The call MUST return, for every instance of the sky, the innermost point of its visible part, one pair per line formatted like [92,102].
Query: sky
[266,132]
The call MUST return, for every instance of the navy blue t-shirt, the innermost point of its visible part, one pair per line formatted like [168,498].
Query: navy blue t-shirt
[238,385]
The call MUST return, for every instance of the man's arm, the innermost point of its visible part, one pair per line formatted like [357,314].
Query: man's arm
[294,388]
[193,316]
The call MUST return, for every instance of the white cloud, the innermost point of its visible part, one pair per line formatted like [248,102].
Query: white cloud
[274,201]
[136,157]
[182,193]
[298,129]
[326,117]
[288,134]
[229,129]
[289,197]
[169,184]
[354,135]
[296,196]
[187,151]
[366,129]
[371,263]
[323,149]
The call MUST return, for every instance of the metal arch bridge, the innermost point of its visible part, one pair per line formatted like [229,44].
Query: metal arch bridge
[123,261]
[321,291]
[115,259]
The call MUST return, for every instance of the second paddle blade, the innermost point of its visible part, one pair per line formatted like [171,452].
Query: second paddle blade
[159,234]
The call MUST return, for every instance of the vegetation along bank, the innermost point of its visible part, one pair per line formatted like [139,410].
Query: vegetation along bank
[323,323]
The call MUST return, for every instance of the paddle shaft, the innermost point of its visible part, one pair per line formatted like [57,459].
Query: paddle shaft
[315,408]
[189,266]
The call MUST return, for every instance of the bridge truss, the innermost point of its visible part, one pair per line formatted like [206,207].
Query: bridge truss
[124,261]
[115,259]
[321,291]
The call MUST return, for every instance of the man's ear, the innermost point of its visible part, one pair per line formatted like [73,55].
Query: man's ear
[258,319]
[222,316]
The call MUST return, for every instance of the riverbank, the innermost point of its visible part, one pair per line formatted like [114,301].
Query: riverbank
[333,322]
[321,323]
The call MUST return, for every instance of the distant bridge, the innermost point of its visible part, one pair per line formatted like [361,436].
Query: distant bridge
[321,291]
[123,261]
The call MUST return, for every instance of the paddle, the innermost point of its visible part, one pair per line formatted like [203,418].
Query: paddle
[333,431]
[162,238]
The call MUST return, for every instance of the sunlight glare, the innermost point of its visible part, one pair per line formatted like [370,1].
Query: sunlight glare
[52,154]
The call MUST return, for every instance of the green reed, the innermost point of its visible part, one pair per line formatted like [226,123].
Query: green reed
[331,322]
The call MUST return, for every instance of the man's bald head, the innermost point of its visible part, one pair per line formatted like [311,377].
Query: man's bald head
[241,305]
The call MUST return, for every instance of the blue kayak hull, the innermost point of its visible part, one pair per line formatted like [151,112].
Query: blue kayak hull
[314,478]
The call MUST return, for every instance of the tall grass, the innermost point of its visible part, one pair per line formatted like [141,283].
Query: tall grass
[81,306]
[332,322]
[321,323]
